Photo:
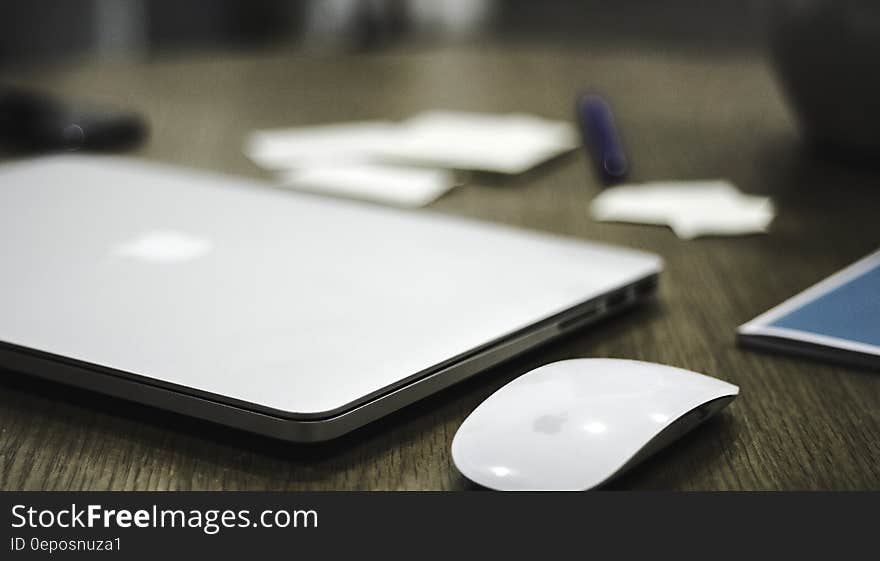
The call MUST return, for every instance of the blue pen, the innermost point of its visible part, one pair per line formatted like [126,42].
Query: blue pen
[601,138]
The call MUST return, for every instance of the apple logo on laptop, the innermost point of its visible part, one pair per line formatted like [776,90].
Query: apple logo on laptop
[164,246]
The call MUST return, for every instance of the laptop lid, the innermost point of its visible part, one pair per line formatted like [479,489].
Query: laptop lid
[288,303]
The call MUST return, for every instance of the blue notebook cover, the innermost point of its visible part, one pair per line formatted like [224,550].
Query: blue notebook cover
[838,318]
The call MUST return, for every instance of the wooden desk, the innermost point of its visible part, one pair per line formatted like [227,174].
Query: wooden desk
[797,425]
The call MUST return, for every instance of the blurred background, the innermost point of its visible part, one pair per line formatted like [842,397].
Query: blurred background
[820,55]
[823,52]
[46,31]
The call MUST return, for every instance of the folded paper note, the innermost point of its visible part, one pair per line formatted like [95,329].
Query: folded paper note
[284,149]
[690,208]
[505,143]
[391,185]
[406,163]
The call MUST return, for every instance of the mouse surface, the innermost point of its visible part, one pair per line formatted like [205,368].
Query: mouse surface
[574,424]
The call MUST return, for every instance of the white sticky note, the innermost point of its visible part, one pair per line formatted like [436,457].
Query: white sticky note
[297,147]
[393,185]
[504,143]
[690,208]
[747,216]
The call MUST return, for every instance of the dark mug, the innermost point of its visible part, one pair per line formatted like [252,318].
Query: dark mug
[827,55]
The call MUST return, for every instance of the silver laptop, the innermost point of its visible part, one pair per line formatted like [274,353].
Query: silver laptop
[279,313]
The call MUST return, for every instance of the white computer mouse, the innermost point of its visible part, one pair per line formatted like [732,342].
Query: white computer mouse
[575,424]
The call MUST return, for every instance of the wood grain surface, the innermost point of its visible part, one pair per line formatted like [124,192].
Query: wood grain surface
[798,424]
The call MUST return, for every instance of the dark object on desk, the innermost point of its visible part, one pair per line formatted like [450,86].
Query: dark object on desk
[34,122]
[601,139]
[827,55]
